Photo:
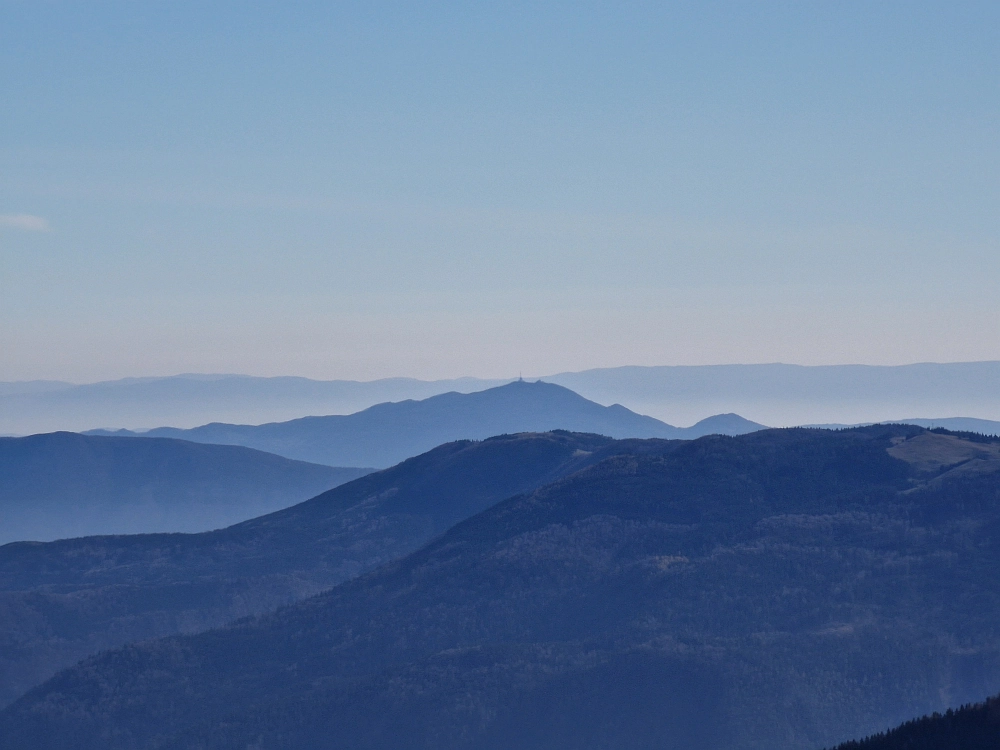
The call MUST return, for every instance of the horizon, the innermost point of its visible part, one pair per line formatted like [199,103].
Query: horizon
[449,378]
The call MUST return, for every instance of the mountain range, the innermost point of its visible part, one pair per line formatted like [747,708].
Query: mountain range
[786,395]
[775,394]
[192,399]
[63,600]
[783,589]
[62,485]
[388,433]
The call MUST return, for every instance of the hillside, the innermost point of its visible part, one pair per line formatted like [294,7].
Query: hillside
[66,485]
[63,600]
[785,589]
[972,727]
[386,434]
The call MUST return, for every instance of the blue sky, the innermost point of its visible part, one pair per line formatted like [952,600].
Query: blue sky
[363,190]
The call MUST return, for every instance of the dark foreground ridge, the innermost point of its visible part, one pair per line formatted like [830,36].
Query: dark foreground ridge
[64,600]
[973,727]
[388,433]
[786,589]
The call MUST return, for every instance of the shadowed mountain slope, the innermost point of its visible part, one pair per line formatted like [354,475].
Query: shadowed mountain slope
[64,485]
[63,600]
[387,433]
[785,589]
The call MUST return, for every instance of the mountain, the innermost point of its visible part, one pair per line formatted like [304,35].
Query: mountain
[972,727]
[774,394]
[386,434]
[63,600]
[190,400]
[64,485]
[720,424]
[784,589]
[781,394]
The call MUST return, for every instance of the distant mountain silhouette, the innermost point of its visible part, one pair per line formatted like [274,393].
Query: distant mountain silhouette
[190,400]
[776,394]
[62,485]
[721,424]
[387,433]
[63,600]
[779,590]
[783,394]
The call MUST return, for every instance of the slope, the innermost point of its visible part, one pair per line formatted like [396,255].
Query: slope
[62,600]
[63,485]
[972,727]
[784,589]
[388,433]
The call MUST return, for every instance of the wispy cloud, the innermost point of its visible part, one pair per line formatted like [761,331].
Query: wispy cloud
[25,222]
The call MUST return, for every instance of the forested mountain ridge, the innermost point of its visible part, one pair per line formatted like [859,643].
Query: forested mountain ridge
[61,485]
[784,589]
[385,434]
[63,600]
[972,727]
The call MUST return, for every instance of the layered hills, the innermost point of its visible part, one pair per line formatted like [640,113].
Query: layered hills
[782,589]
[65,485]
[388,433]
[63,600]
[778,394]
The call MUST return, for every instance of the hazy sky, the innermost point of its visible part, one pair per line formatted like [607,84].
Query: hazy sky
[428,189]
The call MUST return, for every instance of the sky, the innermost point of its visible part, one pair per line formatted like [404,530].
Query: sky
[363,190]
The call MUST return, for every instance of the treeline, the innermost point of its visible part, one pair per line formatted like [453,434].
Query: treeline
[971,727]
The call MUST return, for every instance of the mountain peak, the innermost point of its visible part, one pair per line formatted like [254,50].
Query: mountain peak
[726,424]
[387,433]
